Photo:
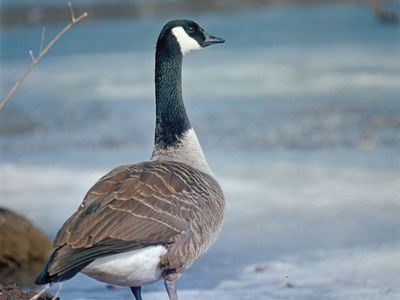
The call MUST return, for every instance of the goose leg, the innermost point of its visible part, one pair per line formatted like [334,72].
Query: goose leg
[170,285]
[137,292]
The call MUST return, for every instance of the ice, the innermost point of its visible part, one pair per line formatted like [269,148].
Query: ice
[56,189]
[341,274]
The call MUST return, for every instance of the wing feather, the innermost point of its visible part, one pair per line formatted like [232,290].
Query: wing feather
[128,208]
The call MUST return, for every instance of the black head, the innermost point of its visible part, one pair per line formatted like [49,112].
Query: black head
[185,35]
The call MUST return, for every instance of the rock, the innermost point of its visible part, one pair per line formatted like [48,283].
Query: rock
[12,292]
[24,249]
[289,285]
[260,269]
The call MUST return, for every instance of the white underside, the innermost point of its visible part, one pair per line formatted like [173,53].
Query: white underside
[133,268]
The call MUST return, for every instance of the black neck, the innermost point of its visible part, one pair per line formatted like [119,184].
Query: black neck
[171,118]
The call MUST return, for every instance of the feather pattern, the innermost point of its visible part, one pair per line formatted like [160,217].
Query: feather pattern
[134,206]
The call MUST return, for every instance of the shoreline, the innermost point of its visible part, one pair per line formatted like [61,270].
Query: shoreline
[14,15]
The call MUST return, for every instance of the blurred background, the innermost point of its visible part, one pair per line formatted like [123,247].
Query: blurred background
[298,114]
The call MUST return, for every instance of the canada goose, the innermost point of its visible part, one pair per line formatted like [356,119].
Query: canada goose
[151,220]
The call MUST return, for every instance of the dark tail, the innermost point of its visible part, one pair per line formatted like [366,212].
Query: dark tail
[66,261]
[44,276]
[53,273]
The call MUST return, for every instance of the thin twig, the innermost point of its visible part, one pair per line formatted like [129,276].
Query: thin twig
[40,293]
[36,59]
[31,55]
[72,13]
[42,39]
[55,297]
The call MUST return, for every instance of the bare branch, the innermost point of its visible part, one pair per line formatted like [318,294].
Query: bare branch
[35,60]
[31,55]
[42,39]
[40,293]
[72,13]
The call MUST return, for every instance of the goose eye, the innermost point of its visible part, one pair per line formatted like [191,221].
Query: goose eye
[191,29]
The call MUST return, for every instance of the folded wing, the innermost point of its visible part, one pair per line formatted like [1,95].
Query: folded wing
[129,208]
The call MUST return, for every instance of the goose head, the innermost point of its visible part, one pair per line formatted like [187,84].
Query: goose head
[184,36]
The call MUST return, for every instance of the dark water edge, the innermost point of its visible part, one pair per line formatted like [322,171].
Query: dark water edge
[46,12]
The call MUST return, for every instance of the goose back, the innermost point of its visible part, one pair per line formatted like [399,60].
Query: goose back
[152,203]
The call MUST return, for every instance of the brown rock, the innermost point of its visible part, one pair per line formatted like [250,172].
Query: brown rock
[260,269]
[24,249]
[289,285]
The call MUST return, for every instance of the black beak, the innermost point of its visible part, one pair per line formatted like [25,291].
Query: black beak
[209,40]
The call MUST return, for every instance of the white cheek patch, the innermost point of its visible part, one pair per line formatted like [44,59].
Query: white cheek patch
[186,42]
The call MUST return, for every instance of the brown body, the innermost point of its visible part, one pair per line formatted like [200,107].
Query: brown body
[151,203]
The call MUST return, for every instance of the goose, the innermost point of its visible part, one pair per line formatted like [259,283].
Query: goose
[149,221]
